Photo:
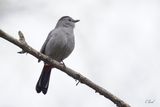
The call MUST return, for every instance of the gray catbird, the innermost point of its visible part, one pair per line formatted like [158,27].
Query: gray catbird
[58,45]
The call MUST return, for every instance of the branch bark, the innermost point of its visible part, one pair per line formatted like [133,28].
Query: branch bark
[28,49]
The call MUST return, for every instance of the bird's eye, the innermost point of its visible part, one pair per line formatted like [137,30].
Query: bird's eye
[70,20]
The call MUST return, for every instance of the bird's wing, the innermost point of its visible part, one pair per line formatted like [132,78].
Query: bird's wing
[44,45]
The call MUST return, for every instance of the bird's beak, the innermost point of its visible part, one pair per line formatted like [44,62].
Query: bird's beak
[75,21]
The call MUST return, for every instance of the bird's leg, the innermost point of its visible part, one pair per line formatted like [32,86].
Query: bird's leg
[63,64]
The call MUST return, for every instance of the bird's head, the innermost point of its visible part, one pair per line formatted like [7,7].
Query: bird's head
[66,21]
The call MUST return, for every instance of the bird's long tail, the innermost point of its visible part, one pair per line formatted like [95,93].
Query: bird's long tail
[43,82]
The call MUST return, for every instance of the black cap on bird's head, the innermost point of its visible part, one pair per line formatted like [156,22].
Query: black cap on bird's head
[66,21]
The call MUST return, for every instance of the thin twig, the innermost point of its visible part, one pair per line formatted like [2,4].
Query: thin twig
[26,48]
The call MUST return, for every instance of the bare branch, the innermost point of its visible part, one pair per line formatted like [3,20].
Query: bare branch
[21,37]
[22,40]
[26,48]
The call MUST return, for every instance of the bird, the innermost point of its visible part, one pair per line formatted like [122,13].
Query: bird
[58,46]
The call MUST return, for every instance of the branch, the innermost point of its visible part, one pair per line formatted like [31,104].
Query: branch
[27,49]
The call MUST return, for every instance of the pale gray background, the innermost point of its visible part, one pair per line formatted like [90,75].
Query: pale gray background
[117,46]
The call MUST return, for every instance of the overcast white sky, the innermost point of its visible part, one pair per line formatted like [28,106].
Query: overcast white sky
[117,47]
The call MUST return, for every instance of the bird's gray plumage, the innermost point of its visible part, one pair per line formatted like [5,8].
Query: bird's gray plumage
[58,45]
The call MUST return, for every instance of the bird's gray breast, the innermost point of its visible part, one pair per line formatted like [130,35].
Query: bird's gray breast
[60,44]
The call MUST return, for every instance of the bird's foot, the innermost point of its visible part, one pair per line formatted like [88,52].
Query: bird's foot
[64,66]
